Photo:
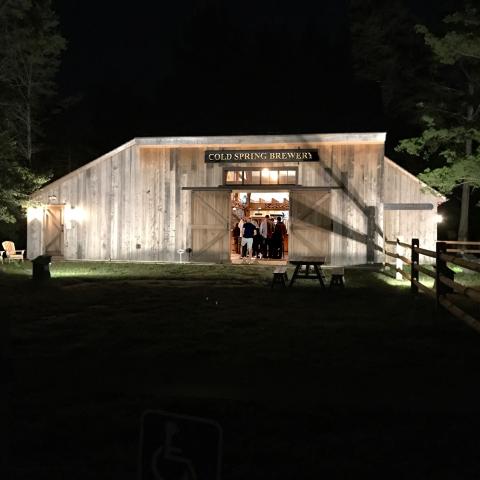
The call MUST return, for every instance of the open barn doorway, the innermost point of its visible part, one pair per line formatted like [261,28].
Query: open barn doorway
[265,209]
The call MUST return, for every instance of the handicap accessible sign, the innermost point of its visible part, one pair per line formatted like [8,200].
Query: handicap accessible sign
[179,447]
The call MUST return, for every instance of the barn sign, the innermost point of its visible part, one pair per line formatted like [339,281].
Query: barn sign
[293,155]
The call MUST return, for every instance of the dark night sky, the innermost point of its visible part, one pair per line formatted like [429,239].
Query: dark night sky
[195,67]
[206,67]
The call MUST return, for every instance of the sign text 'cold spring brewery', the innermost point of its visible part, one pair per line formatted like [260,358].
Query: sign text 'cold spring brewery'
[290,155]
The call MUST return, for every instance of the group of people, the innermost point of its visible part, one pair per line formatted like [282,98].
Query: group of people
[264,241]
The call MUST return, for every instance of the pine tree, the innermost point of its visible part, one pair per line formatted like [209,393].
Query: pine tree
[30,48]
[386,52]
[29,54]
[451,137]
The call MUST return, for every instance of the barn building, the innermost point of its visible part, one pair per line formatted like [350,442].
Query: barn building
[152,198]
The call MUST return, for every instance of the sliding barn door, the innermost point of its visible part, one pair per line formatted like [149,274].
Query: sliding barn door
[54,230]
[211,226]
[310,224]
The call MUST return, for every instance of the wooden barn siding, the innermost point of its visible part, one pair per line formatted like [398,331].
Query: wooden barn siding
[34,238]
[105,192]
[135,197]
[359,168]
[401,187]
[165,206]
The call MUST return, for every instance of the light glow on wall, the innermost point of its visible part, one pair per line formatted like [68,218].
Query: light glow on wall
[438,218]
[74,214]
[34,213]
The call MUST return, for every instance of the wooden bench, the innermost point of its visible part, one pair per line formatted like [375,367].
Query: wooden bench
[280,276]
[337,279]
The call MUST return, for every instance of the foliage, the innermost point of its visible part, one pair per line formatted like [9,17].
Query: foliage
[382,45]
[30,47]
[29,56]
[448,146]
[455,46]
[16,182]
[451,137]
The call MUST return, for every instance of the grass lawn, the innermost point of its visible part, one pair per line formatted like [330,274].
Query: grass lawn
[368,381]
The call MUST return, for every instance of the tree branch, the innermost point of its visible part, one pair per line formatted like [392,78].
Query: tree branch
[476,112]
[448,112]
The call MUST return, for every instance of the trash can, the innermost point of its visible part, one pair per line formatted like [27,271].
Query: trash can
[41,268]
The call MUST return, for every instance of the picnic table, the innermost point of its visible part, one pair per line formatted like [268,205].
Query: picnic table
[314,273]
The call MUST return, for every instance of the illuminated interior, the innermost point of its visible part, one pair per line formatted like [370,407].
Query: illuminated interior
[257,205]
[261,176]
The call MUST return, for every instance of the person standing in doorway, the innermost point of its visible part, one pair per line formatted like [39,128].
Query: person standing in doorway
[240,226]
[266,230]
[248,232]
[236,235]
[278,237]
[257,244]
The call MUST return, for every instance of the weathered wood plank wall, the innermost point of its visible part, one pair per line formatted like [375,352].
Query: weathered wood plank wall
[403,188]
[135,206]
[359,170]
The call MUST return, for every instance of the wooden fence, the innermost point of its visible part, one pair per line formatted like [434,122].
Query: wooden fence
[446,291]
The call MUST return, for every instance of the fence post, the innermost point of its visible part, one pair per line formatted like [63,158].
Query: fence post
[398,262]
[415,261]
[442,269]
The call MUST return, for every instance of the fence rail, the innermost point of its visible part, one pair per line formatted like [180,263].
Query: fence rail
[429,291]
[470,292]
[460,314]
[428,253]
[461,262]
[445,289]
[400,257]
[456,244]
[424,270]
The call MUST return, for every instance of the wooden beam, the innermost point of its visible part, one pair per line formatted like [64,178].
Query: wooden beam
[429,291]
[461,262]
[425,271]
[469,292]
[428,253]
[460,314]
[408,206]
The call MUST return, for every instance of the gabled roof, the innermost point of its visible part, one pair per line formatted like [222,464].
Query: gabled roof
[378,137]
[429,190]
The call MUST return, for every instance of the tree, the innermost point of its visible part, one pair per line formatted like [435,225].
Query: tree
[16,182]
[451,137]
[383,44]
[30,48]
[29,53]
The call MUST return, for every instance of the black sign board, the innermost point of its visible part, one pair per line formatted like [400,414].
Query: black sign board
[179,447]
[284,155]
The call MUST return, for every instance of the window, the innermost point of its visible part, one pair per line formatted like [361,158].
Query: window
[264,176]
[234,177]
